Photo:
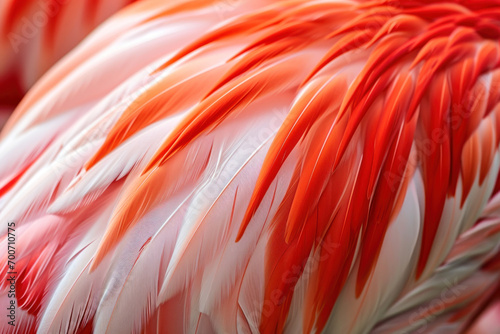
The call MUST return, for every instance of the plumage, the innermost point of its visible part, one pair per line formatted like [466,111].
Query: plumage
[325,166]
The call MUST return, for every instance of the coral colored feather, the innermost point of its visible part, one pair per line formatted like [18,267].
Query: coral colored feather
[234,166]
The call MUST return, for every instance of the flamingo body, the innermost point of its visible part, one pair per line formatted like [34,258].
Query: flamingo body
[261,167]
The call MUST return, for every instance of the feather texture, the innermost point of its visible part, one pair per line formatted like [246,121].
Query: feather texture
[298,166]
